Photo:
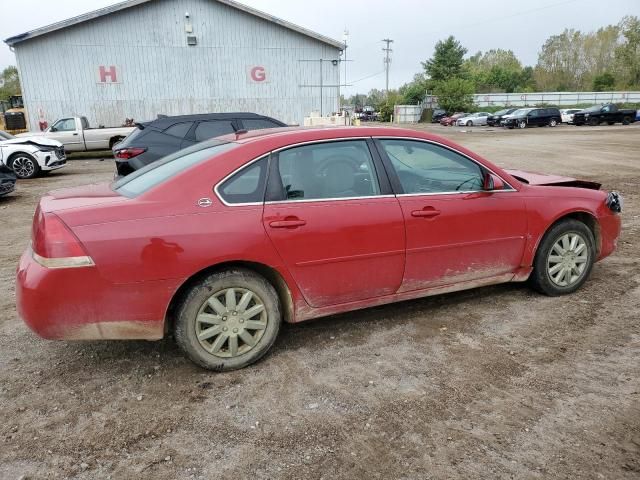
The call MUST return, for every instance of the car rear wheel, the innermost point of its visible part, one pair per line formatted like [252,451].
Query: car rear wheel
[564,258]
[522,124]
[228,320]
[25,166]
[626,120]
[553,122]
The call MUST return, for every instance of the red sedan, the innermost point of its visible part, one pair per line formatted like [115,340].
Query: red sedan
[220,243]
[450,121]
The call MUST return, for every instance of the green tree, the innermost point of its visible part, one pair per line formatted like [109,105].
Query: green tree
[604,82]
[414,92]
[455,94]
[447,60]
[10,83]
[627,54]
[494,71]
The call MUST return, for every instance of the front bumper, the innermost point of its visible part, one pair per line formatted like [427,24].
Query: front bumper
[7,186]
[79,304]
[50,159]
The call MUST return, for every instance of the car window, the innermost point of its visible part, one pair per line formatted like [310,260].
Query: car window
[162,170]
[216,128]
[258,124]
[84,122]
[6,136]
[246,186]
[65,125]
[179,130]
[328,170]
[427,168]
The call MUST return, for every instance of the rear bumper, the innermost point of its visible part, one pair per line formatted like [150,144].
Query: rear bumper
[79,304]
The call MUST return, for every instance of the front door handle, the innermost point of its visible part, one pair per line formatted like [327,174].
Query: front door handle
[427,212]
[287,223]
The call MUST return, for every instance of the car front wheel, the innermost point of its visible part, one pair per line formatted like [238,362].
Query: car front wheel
[469,123]
[522,124]
[25,166]
[228,320]
[564,258]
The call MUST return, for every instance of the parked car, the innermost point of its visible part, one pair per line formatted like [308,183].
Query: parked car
[608,114]
[7,180]
[221,242]
[566,114]
[473,119]
[438,114]
[532,117]
[77,136]
[638,115]
[451,120]
[153,140]
[29,156]
[497,117]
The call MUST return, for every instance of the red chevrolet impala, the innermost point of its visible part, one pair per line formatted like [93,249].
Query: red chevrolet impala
[220,243]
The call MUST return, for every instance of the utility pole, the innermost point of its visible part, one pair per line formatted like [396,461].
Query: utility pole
[387,61]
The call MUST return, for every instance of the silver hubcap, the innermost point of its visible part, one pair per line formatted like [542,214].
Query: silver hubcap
[231,322]
[23,167]
[567,259]
[522,124]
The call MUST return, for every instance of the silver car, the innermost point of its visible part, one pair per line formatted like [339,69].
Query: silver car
[478,118]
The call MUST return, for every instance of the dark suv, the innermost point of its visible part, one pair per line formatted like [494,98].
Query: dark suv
[533,117]
[165,135]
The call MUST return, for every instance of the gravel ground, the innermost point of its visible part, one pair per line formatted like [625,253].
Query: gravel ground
[497,382]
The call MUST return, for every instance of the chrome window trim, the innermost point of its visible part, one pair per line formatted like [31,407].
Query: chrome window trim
[510,188]
[507,184]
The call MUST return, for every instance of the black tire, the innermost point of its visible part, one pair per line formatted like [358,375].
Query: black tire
[469,123]
[185,328]
[24,165]
[553,122]
[522,124]
[540,278]
[114,140]
[626,120]
[594,122]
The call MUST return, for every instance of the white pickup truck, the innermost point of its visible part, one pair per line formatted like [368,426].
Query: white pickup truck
[76,135]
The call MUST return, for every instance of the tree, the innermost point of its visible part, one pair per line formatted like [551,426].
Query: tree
[447,60]
[627,54]
[455,94]
[10,83]
[413,93]
[604,82]
[494,71]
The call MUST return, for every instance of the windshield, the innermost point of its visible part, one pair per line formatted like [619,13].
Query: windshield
[595,108]
[6,136]
[501,112]
[522,111]
[166,168]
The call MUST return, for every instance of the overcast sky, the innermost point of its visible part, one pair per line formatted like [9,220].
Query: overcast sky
[414,25]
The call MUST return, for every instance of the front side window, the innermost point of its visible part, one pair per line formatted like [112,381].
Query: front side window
[216,128]
[65,125]
[341,169]
[246,186]
[426,168]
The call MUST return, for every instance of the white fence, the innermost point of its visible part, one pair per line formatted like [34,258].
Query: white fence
[552,98]
[407,113]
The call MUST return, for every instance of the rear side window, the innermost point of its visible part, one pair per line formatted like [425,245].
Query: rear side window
[179,130]
[207,130]
[258,124]
[159,172]
[246,186]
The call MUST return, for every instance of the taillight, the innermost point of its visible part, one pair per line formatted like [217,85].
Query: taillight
[127,153]
[54,245]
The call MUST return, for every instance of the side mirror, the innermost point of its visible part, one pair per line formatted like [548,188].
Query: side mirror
[53,129]
[492,182]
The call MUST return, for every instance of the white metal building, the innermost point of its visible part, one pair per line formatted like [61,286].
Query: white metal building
[141,58]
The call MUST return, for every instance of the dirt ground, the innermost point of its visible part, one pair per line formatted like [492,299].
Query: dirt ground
[497,382]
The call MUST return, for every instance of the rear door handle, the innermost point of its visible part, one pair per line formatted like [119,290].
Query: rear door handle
[427,212]
[288,223]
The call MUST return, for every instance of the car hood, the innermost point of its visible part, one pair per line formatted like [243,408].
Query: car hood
[30,139]
[531,178]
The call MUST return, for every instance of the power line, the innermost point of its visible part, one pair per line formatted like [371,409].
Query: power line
[367,77]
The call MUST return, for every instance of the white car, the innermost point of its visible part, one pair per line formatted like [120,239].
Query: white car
[28,156]
[478,118]
[566,114]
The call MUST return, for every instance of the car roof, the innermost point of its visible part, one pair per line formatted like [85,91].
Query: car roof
[164,122]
